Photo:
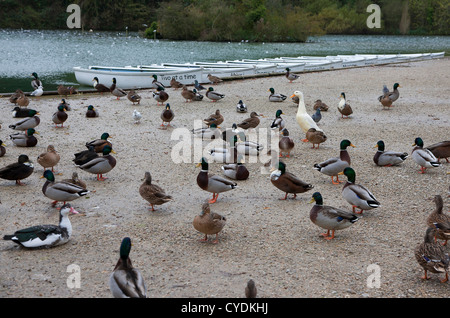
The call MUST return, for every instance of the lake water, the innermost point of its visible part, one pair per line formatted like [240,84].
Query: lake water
[53,54]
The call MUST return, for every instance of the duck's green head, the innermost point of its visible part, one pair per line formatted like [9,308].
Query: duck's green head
[61,108]
[282,167]
[155,77]
[285,132]
[31,132]
[396,85]
[195,91]
[317,197]
[418,142]
[203,164]
[107,150]
[213,126]
[2,143]
[380,145]
[346,143]
[48,174]
[125,248]
[34,74]
[272,90]
[210,89]
[350,174]
[104,136]
[167,106]
[288,69]
[279,113]
[114,80]
[90,107]
[22,158]
[343,95]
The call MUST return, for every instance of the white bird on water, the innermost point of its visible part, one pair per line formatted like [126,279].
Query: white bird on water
[137,116]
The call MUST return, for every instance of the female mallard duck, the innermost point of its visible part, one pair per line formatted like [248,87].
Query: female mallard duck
[216,118]
[187,94]
[66,90]
[84,156]
[423,157]
[160,96]
[175,84]
[167,115]
[99,144]
[117,91]
[2,148]
[432,256]
[26,123]
[213,95]
[278,123]
[17,171]
[13,98]
[23,101]
[440,150]
[236,171]
[388,158]
[303,118]
[134,97]
[46,236]
[344,107]
[251,122]
[214,79]
[49,159]
[153,193]
[357,195]
[199,86]
[36,82]
[209,223]
[330,218]
[22,112]
[390,97]
[315,137]
[250,289]
[318,104]
[25,140]
[211,132]
[60,117]
[91,112]
[291,76]
[126,281]
[213,183]
[157,84]
[100,87]
[276,97]
[76,180]
[241,107]
[333,166]
[438,217]
[198,97]
[286,143]
[288,182]
[61,191]
[100,165]
[38,92]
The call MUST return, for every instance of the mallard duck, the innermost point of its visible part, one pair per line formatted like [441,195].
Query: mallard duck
[36,82]
[13,98]
[153,193]
[333,166]
[423,157]
[213,95]
[432,256]
[225,155]
[388,158]
[91,112]
[17,171]
[241,107]
[315,137]
[385,101]
[45,236]
[65,104]
[211,132]
[216,118]
[76,180]
[25,140]
[100,87]
[175,84]
[99,144]
[23,101]
[2,148]
[60,117]
[198,86]
[209,223]
[236,171]
[100,165]
[167,115]
[160,96]
[38,92]
[330,218]
[134,97]
[278,123]
[157,84]
[357,195]
[440,150]
[250,289]
[214,79]
[61,191]
[390,97]
[344,107]
[286,143]
[318,104]
[84,156]
[26,123]
[198,97]
[126,281]
[317,116]
[276,97]
[49,159]
[291,76]
[288,182]
[248,147]
[251,122]
[187,94]
[213,183]
[66,90]
[442,220]
[303,118]
[229,133]
[117,91]
[22,112]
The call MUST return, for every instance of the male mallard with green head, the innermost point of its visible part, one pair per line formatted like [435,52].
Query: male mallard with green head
[288,182]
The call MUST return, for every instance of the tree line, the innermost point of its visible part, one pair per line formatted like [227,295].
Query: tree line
[233,20]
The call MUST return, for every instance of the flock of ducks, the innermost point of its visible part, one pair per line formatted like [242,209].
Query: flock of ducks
[127,281]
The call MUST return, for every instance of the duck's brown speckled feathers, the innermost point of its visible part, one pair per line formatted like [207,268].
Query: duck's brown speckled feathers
[153,193]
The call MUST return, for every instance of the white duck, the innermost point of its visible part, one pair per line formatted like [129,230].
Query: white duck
[38,92]
[304,120]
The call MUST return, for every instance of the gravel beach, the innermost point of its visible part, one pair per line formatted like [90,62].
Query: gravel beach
[265,239]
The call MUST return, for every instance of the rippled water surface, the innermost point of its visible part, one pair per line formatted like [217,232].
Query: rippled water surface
[53,54]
